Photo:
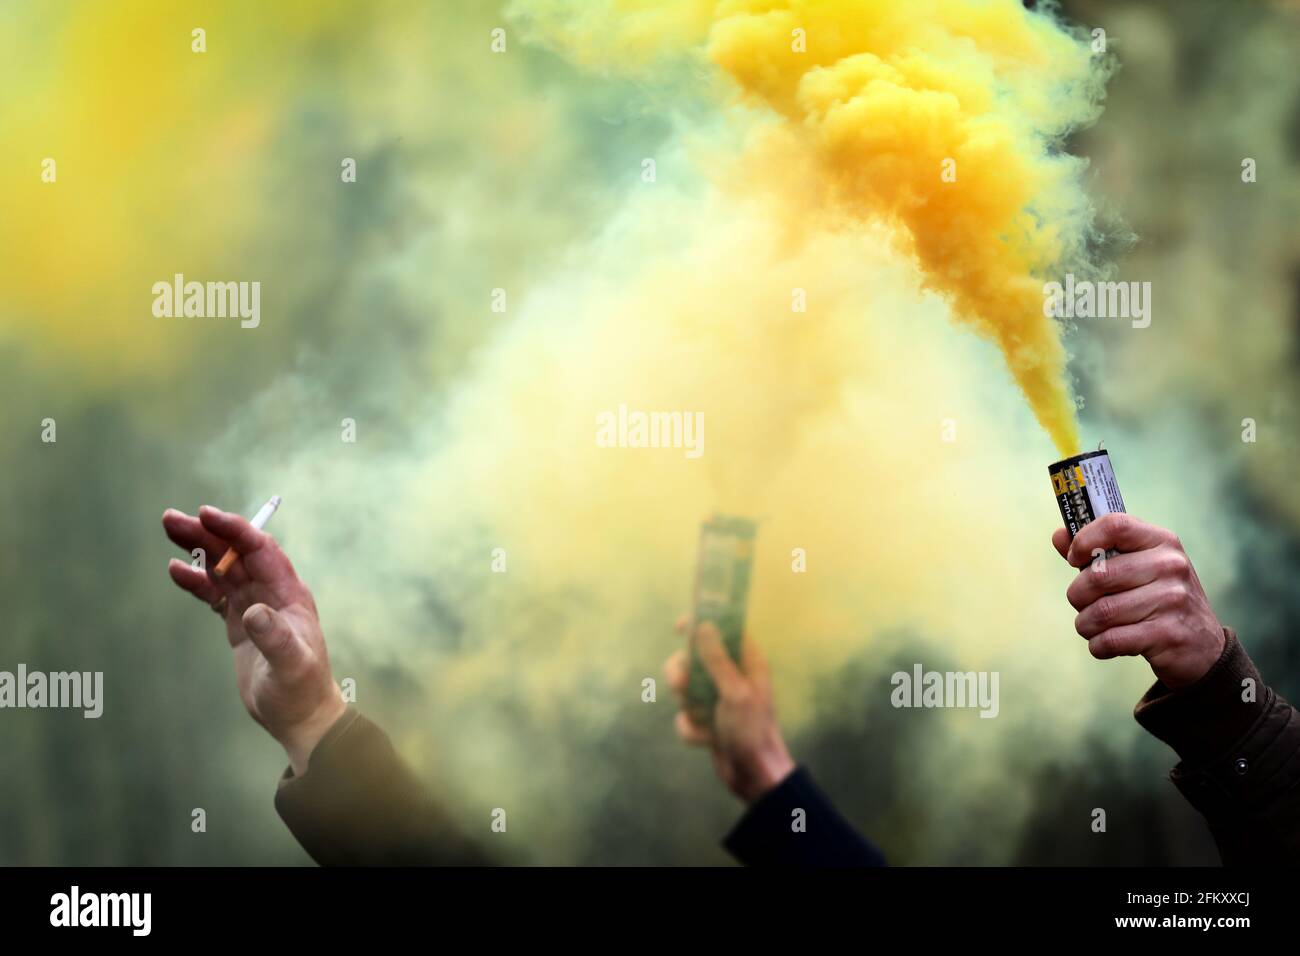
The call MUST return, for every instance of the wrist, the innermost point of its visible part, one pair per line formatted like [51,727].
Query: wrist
[1194,664]
[764,771]
[301,739]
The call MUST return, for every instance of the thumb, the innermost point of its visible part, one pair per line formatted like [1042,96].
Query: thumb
[272,634]
[726,676]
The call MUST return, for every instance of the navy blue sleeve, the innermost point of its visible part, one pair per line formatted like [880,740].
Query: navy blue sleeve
[771,833]
[359,804]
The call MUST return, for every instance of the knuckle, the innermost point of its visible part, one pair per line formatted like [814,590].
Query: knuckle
[739,694]
[1104,610]
[1179,565]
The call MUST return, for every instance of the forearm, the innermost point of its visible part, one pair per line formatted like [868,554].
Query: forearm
[358,804]
[1239,744]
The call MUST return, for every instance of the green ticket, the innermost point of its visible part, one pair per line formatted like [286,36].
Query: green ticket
[721,592]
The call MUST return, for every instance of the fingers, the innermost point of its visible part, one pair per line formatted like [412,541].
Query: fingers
[261,556]
[1061,541]
[727,678]
[1123,572]
[193,580]
[234,529]
[188,533]
[1126,640]
[691,732]
[678,670]
[1128,607]
[1118,531]
[271,632]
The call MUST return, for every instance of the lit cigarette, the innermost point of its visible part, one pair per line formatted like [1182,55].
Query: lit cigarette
[259,522]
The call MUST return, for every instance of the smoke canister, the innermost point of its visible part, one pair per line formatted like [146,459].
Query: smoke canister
[721,592]
[1085,489]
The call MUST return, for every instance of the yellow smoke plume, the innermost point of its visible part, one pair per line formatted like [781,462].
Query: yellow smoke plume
[938,117]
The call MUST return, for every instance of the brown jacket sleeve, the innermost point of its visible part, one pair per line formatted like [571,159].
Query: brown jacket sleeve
[1240,756]
[358,804]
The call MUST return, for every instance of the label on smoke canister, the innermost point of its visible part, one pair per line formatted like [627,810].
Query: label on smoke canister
[1085,489]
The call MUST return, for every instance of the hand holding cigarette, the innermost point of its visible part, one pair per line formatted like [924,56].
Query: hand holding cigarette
[1144,600]
[281,664]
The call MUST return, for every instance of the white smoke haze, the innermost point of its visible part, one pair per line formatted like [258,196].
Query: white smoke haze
[827,425]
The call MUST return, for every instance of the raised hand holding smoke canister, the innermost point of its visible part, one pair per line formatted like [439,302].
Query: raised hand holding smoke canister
[1237,740]
[1144,596]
